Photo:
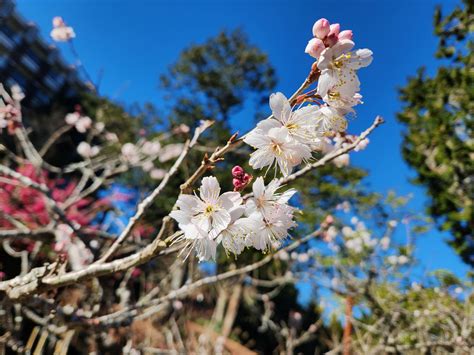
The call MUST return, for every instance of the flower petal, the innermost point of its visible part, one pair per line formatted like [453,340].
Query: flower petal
[280,106]
[210,189]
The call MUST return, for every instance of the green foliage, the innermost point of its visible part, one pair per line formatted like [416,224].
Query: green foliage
[213,80]
[438,141]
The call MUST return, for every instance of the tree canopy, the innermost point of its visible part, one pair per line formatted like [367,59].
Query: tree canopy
[438,140]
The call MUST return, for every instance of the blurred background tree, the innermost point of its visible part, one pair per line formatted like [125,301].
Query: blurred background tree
[438,140]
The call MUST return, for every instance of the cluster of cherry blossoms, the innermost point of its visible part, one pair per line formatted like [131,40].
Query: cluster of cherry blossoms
[142,154]
[292,134]
[212,218]
[284,140]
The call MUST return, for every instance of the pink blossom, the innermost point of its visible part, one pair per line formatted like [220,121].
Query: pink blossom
[346,34]
[321,28]
[334,29]
[314,47]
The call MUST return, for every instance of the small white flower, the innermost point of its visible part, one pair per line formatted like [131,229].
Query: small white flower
[362,145]
[203,218]
[100,126]
[83,124]
[392,223]
[111,137]
[148,166]
[170,151]
[151,148]
[234,237]
[72,118]
[330,234]
[130,153]
[283,255]
[61,32]
[385,243]
[17,93]
[269,231]
[392,259]
[177,305]
[275,147]
[157,174]
[342,160]
[87,151]
[329,119]
[266,198]
[338,84]
[303,258]
[355,244]
[403,259]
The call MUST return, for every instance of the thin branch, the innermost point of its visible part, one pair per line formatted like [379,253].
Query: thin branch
[334,154]
[53,138]
[186,289]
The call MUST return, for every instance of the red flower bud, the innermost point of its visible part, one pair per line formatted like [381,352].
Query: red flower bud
[237,171]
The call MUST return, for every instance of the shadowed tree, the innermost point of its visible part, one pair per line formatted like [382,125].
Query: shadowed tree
[438,140]
[213,80]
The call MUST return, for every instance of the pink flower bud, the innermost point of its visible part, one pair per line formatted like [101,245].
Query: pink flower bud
[321,28]
[314,47]
[237,183]
[334,29]
[237,171]
[347,34]
[331,40]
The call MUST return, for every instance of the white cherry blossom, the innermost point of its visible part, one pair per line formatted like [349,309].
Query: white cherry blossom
[299,123]
[338,84]
[269,231]
[87,151]
[329,119]
[275,148]
[202,218]
[266,198]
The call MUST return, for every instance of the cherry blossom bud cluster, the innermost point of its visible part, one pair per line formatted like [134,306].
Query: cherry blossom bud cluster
[325,36]
[61,32]
[211,218]
[240,178]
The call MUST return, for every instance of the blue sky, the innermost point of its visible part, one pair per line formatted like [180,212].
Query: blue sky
[135,41]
